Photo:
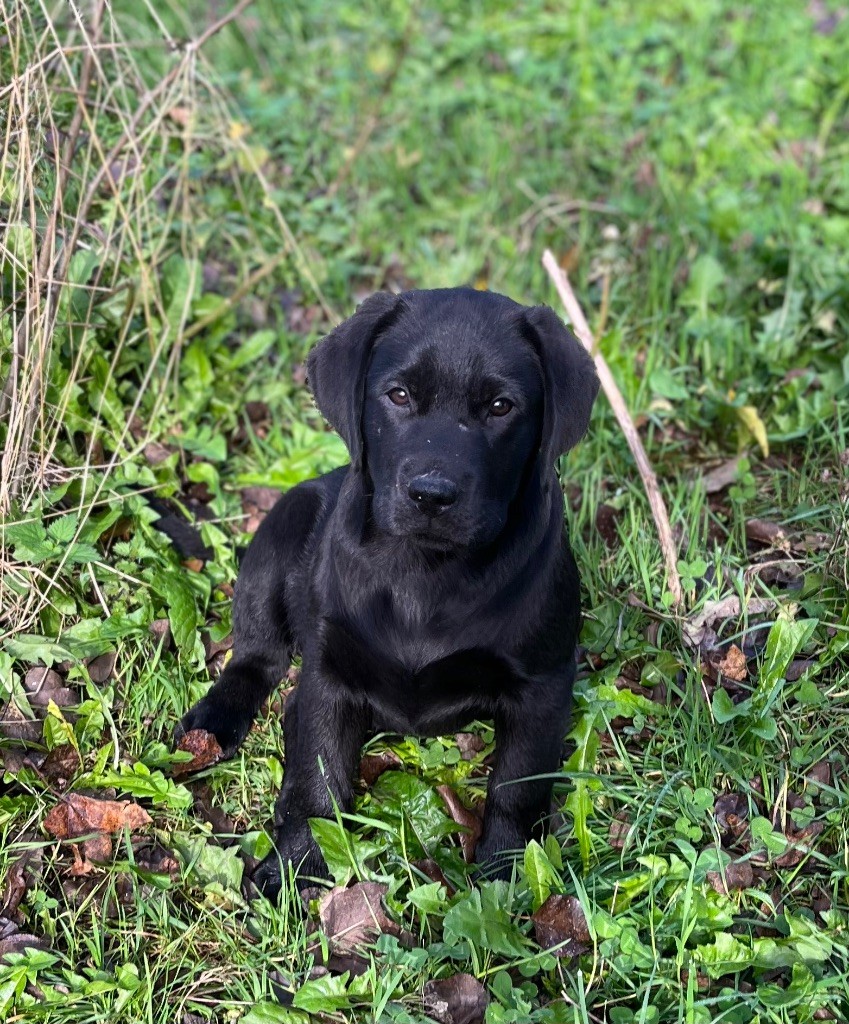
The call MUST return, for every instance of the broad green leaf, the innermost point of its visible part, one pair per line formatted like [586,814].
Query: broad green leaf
[82,554]
[413,809]
[553,851]
[29,540]
[32,649]
[429,898]
[540,873]
[706,277]
[273,1013]
[765,728]
[252,349]
[63,529]
[138,780]
[219,864]
[725,955]
[764,833]
[182,611]
[667,384]
[483,919]
[786,638]
[205,443]
[579,803]
[323,995]
[344,852]
[724,708]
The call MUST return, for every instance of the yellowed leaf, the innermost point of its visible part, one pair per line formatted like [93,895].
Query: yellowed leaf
[751,421]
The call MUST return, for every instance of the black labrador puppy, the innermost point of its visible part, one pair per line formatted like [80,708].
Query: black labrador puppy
[430,582]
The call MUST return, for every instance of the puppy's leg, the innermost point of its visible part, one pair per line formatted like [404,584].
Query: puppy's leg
[262,640]
[324,732]
[529,733]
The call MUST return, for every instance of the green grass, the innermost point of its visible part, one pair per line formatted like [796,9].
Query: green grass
[690,158]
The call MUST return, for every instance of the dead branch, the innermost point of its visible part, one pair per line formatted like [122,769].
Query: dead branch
[620,410]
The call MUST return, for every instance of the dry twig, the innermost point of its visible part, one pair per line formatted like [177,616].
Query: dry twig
[617,402]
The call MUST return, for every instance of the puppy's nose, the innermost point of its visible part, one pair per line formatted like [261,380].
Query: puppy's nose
[432,493]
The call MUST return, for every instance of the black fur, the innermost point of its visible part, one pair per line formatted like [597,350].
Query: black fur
[430,582]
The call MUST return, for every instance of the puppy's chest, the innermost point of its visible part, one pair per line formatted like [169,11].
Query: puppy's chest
[404,628]
[414,668]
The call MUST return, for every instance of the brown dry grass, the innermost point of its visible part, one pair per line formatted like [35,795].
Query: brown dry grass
[100,135]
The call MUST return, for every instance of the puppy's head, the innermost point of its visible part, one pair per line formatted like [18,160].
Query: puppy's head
[445,398]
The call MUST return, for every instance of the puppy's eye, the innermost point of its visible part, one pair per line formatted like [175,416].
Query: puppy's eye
[398,396]
[500,407]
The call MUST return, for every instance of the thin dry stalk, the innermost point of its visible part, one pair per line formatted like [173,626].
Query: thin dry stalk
[620,410]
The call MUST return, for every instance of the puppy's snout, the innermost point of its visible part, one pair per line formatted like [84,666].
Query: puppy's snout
[432,493]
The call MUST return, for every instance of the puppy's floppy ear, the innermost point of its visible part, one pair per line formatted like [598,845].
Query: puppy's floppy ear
[336,368]
[571,383]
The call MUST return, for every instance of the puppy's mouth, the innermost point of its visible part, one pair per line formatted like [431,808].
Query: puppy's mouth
[433,541]
[444,534]
[434,534]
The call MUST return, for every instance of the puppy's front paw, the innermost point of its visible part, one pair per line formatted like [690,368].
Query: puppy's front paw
[229,725]
[496,855]
[297,849]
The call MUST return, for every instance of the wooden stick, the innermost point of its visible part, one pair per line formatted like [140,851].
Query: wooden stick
[620,410]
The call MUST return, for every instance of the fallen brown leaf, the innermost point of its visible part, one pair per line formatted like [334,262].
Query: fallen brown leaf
[155,453]
[263,499]
[101,669]
[22,873]
[354,917]
[560,922]
[722,476]
[606,520]
[731,811]
[430,869]
[20,941]
[180,115]
[469,744]
[61,765]
[819,774]
[712,612]
[157,859]
[12,760]
[762,531]
[207,808]
[44,685]
[98,847]
[460,999]
[800,845]
[161,630]
[204,748]
[212,647]
[63,697]
[738,875]
[618,832]
[372,766]
[465,817]
[645,177]
[797,668]
[15,725]
[78,815]
[39,678]
[104,895]
[733,665]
